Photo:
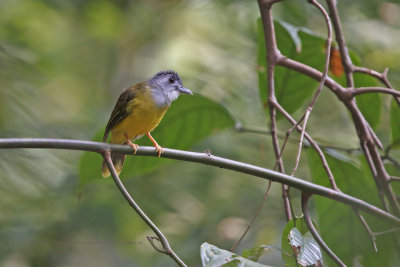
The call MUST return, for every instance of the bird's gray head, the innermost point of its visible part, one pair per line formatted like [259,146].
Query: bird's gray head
[166,86]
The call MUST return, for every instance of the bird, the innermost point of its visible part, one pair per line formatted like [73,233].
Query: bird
[138,111]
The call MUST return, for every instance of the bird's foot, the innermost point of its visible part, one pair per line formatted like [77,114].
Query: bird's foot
[159,149]
[134,146]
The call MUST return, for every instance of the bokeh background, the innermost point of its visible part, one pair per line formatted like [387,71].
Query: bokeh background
[62,67]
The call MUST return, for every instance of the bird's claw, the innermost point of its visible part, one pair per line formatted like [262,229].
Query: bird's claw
[134,146]
[159,149]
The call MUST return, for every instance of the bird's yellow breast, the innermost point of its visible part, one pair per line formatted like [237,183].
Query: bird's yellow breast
[144,116]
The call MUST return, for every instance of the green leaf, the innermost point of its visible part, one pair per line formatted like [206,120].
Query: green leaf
[255,253]
[395,123]
[299,224]
[212,256]
[189,120]
[339,226]
[305,247]
[292,89]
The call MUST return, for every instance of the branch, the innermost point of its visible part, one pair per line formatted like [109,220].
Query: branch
[366,226]
[310,72]
[346,60]
[394,178]
[381,76]
[363,129]
[259,130]
[204,158]
[321,85]
[273,54]
[390,158]
[254,218]
[373,235]
[312,143]
[317,237]
[365,90]
[166,247]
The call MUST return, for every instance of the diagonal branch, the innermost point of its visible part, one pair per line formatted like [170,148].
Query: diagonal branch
[312,143]
[166,247]
[368,228]
[253,219]
[304,205]
[321,85]
[346,60]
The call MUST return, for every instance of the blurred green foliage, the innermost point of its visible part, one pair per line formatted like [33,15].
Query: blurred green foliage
[64,63]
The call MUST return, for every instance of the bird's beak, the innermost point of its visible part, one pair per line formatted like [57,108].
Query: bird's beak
[184,90]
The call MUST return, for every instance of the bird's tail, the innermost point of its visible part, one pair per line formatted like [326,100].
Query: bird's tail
[117,159]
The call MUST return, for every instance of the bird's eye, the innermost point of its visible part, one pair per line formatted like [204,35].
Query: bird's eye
[171,80]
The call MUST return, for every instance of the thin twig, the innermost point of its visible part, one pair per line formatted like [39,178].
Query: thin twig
[390,158]
[366,226]
[393,161]
[260,130]
[300,184]
[374,135]
[394,178]
[151,241]
[321,85]
[367,90]
[381,76]
[272,54]
[313,231]
[287,138]
[166,247]
[254,217]
[346,60]
[312,143]
[372,234]
[374,175]
[387,231]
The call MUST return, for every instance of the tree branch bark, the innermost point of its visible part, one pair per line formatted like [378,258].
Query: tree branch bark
[204,158]
[166,247]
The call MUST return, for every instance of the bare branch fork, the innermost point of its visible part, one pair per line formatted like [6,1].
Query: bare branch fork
[320,87]
[369,141]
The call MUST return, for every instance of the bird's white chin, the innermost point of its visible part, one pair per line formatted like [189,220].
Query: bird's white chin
[165,99]
[172,95]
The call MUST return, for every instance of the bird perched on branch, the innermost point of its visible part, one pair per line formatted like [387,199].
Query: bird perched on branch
[139,110]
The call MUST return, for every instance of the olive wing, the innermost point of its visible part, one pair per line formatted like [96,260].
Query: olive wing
[120,110]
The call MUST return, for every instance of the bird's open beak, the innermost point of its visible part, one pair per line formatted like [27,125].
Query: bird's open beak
[184,90]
